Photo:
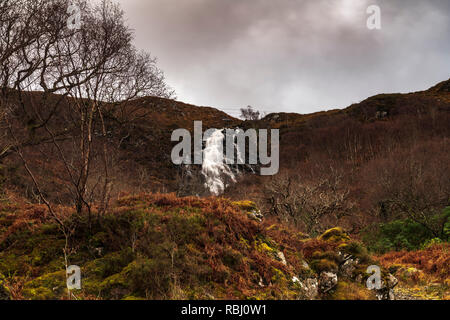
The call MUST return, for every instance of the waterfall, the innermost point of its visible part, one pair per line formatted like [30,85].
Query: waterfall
[216,172]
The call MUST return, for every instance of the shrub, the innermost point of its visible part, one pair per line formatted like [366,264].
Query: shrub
[335,235]
[357,250]
[431,242]
[149,278]
[446,232]
[433,260]
[395,236]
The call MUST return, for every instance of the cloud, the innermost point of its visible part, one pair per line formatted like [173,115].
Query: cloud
[292,55]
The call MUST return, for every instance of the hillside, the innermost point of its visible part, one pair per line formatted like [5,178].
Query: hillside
[163,247]
[383,158]
[139,134]
[365,150]
[379,169]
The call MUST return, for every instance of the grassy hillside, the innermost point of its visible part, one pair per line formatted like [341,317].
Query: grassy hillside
[160,246]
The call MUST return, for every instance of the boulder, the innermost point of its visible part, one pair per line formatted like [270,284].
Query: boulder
[251,209]
[327,281]
[309,287]
[348,268]
[256,216]
[386,291]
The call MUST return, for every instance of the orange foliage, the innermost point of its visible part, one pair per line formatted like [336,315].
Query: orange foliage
[434,260]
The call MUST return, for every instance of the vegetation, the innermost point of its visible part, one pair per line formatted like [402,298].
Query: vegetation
[156,246]
[405,234]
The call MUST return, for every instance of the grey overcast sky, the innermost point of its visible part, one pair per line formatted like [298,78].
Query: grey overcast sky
[292,55]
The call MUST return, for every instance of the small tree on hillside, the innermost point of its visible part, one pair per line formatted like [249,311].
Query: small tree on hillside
[250,114]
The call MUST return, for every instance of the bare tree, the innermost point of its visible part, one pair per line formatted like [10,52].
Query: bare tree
[250,114]
[413,183]
[123,75]
[82,76]
[312,204]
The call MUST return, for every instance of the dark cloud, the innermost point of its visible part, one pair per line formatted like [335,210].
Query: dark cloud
[292,55]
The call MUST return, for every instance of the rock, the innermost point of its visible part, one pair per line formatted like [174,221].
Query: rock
[381,114]
[251,209]
[327,281]
[385,294]
[256,215]
[5,294]
[391,281]
[281,257]
[309,287]
[261,283]
[386,291]
[347,268]
[305,265]
[210,296]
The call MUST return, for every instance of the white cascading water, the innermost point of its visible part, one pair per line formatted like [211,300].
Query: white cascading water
[214,168]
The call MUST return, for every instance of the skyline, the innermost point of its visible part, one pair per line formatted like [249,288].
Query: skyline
[292,56]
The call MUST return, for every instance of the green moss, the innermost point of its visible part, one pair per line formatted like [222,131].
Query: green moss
[100,239]
[115,286]
[51,286]
[278,276]
[264,247]
[325,261]
[246,205]
[335,235]
[357,250]
[148,276]
[329,255]
[108,265]
[133,298]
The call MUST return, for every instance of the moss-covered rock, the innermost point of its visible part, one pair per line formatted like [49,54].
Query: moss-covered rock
[335,235]
[250,208]
[246,205]
[356,250]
